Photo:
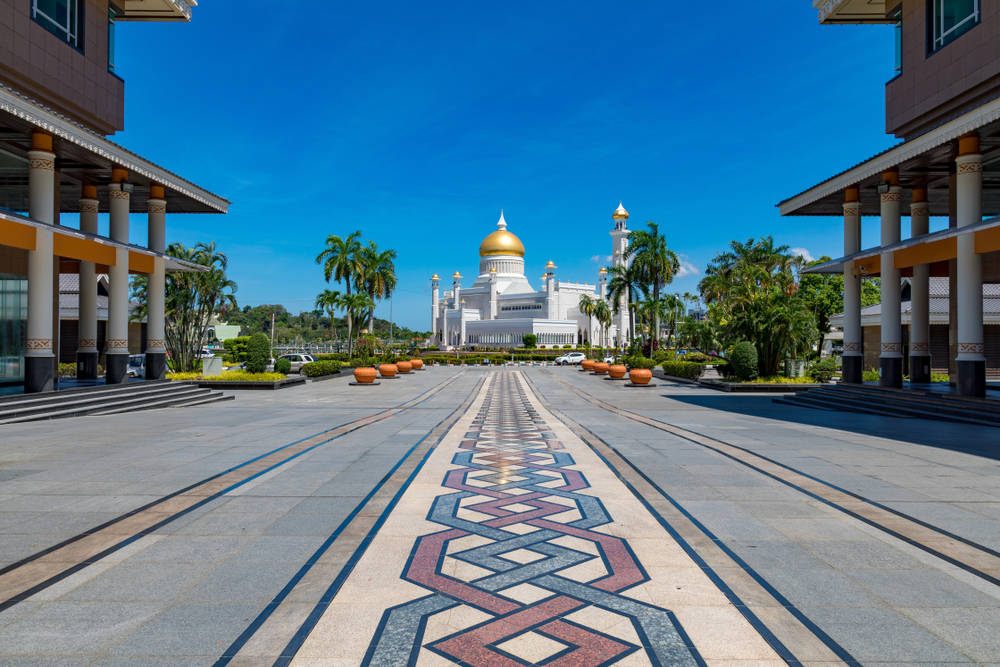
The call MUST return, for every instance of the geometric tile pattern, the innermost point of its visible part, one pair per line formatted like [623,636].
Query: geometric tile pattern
[520,575]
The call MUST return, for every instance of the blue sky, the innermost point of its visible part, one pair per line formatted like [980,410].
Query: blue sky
[417,122]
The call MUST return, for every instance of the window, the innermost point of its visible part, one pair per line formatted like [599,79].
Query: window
[897,32]
[60,17]
[111,39]
[950,19]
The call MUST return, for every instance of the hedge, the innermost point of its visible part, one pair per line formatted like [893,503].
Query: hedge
[283,366]
[258,353]
[688,370]
[318,368]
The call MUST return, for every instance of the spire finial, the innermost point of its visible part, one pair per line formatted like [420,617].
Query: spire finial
[501,223]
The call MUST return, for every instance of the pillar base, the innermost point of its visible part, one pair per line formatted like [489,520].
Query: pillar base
[116,368]
[86,365]
[39,374]
[892,372]
[971,378]
[156,365]
[920,369]
[852,370]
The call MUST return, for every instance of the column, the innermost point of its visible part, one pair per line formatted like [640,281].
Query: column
[920,324]
[86,353]
[971,350]
[493,294]
[116,357]
[39,357]
[854,353]
[156,349]
[444,327]
[891,357]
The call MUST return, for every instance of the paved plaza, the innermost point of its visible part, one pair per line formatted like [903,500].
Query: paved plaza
[498,517]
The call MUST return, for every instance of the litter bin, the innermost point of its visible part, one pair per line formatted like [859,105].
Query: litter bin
[211,366]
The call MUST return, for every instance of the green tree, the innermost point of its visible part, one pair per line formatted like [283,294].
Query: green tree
[192,298]
[378,274]
[587,304]
[655,264]
[625,282]
[529,340]
[602,313]
[342,261]
[329,300]
[823,294]
[258,353]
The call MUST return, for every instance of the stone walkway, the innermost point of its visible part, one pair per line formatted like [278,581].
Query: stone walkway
[512,517]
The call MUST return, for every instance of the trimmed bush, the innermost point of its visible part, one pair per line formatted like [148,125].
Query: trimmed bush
[823,370]
[318,368]
[332,356]
[67,370]
[683,369]
[529,340]
[639,361]
[283,366]
[237,348]
[744,361]
[258,353]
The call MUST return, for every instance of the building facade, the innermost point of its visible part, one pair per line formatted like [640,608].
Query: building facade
[60,98]
[501,306]
[943,101]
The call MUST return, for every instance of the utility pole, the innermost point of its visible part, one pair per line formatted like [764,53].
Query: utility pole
[272,333]
[391,344]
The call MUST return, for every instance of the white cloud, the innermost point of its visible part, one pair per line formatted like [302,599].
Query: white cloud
[803,253]
[601,259]
[687,269]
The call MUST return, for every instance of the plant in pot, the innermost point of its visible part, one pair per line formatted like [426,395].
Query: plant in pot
[640,370]
[364,372]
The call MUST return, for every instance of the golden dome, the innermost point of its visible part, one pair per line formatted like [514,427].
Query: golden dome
[620,213]
[456,275]
[501,242]
[435,277]
[550,265]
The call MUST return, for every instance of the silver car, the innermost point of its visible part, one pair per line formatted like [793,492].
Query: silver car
[570,358]
[298,360]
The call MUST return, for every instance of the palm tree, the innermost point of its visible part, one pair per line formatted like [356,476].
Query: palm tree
[378,274]
[587,304]
[624,282]
[357,306]
[655,263]
[329,301]
[602,313]
[341,260]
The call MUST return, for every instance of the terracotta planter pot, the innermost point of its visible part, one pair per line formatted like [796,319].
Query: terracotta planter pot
[600,368]
[617,371]
[364,374]
[587,364]
[417,364]
[387,370]
[640,375]
[404,366]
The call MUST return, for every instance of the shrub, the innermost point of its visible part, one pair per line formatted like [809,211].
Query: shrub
[67,370]
[663,355]
[529,340]
[258,353]
[744,361]
[683,369]
[871,375]
[639,361]
[823,370]
[318,368]
[283,366]
[237,348]
[332,356]
[567,347]
[229,376]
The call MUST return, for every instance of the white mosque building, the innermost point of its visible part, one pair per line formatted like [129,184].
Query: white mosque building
[501,306]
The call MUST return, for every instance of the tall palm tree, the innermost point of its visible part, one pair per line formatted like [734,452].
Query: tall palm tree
[357,306]
[587,304]
[656,264]
[329,301]
[341,260]
[625,282]
[602,313]
[378,275]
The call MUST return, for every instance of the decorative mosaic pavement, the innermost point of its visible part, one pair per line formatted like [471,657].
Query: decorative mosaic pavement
[517,545]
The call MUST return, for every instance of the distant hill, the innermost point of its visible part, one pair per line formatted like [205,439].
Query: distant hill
[308,326]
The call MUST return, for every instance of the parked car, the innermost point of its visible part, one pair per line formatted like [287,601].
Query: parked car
[570,359]
[297,360]
[137,366]
[610,359]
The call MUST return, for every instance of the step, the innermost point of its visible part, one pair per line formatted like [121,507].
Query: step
[958,408]
[84,399]
[923,397]
[174,402]
[868,407]
[68,394]
[92,407]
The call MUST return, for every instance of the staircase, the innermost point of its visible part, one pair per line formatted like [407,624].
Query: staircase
[107,400]
[898,403]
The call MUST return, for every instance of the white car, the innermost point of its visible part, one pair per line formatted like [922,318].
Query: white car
[570,359]
[610,359]
[297,360]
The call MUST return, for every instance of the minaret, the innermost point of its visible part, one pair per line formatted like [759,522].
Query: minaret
[435,282]
[619,257]
[550,291]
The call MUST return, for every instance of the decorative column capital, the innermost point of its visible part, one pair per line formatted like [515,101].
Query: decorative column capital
[852,209]
[89,206]
[42,160]
[969,164]
[156,206]
[116,193]
[892,196]
[38,347]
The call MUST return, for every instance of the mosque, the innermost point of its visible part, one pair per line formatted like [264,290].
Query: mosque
[501,306]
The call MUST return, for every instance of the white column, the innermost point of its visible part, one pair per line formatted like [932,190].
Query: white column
[853,363]
[971,350]
[39,354]
[87,348]
[156,349]
[117,338]
[434,306]
[920,326]
[493,295]
[891,356]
